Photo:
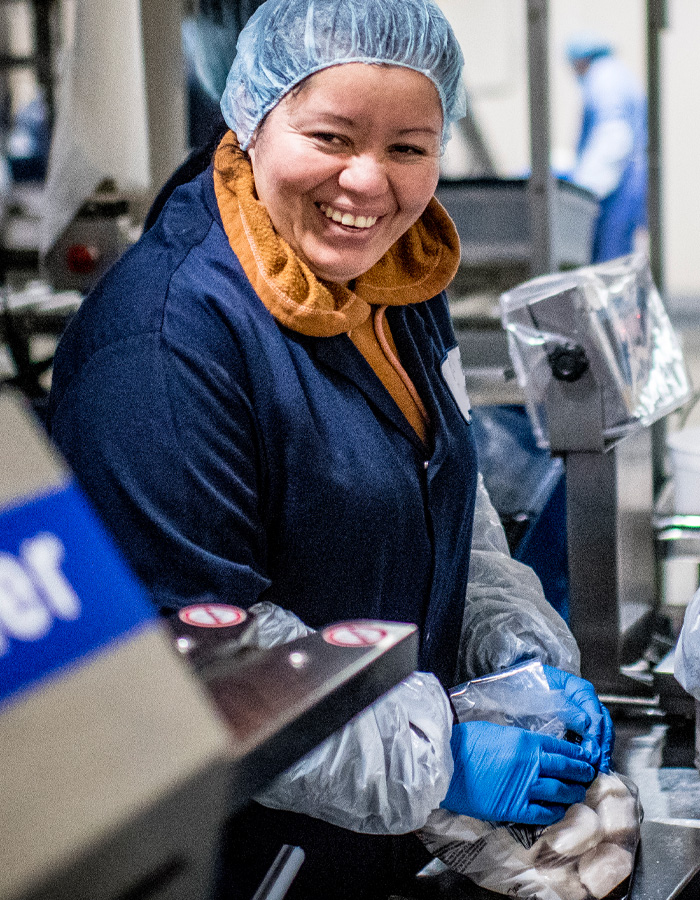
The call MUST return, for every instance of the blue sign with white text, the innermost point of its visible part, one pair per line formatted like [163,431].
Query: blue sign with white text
[65,591]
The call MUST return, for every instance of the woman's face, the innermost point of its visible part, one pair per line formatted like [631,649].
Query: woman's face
[348,163]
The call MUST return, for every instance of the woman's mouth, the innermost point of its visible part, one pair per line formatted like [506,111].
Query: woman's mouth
[346,218]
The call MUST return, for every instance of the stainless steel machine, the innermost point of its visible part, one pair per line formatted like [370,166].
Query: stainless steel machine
[127,740]
[599,363]
[93,240]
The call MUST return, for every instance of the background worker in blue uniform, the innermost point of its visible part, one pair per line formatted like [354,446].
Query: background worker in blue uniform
[611,154]
[264,400]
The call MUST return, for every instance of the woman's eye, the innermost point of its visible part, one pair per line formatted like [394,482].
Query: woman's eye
[409,150]
[326,137]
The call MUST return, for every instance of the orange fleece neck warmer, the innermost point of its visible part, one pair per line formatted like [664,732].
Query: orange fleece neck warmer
[417,267]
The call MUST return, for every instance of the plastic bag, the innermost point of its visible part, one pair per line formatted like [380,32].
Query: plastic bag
[518,696]
[385,770]
[588,854]
[507,618]
[686,664]
[610,318]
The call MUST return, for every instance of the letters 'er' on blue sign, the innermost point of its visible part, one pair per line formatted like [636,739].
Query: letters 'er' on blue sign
[65,591]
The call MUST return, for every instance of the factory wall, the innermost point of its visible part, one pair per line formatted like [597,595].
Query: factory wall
[493,37]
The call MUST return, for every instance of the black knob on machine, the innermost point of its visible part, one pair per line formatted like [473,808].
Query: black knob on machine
[568,362]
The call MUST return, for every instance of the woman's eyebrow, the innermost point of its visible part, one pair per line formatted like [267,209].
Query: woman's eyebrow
[333,118]
[422,129]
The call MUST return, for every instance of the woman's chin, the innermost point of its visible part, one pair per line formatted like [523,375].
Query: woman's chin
[340,270]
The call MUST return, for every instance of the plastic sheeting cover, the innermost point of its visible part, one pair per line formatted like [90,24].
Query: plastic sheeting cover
[612,311]
[686,664]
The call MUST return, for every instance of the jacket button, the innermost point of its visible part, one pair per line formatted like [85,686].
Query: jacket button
[426,463]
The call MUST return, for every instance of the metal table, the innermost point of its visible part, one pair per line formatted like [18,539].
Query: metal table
[667,868]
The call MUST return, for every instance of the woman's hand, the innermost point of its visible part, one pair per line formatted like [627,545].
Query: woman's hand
[506,774]
[600,733]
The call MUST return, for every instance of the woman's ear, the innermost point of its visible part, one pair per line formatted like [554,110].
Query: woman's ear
[250,149]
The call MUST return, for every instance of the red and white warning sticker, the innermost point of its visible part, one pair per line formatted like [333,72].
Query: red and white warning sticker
[212,615]
[354,634]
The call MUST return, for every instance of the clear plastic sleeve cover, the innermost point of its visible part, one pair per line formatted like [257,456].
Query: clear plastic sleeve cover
[507,618]
[395,757]
[383,772]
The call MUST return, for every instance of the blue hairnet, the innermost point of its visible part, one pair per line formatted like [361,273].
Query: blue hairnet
[587,45]
[285,41]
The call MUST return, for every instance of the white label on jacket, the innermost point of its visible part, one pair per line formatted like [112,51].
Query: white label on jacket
[453,373]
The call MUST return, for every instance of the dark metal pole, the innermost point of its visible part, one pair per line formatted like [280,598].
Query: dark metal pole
[657,19]
[43,52]
[164,72]
[541,184]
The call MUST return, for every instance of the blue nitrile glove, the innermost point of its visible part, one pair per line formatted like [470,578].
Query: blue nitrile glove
[506,774]
[601,732]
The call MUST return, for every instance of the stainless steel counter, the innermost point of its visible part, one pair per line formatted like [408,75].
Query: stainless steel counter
[658,756]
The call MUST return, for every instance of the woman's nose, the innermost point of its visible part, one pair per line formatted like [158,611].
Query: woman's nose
[364,174]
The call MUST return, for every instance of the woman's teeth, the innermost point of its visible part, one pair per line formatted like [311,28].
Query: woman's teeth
[347,218]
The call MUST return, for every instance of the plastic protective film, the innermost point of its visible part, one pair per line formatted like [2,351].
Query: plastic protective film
[686,666]
[607,319]
[506,616]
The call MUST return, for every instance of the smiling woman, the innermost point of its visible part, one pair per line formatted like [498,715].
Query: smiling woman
[346,166]
[265,401]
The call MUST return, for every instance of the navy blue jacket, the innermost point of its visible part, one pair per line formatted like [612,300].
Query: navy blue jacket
[237,460]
